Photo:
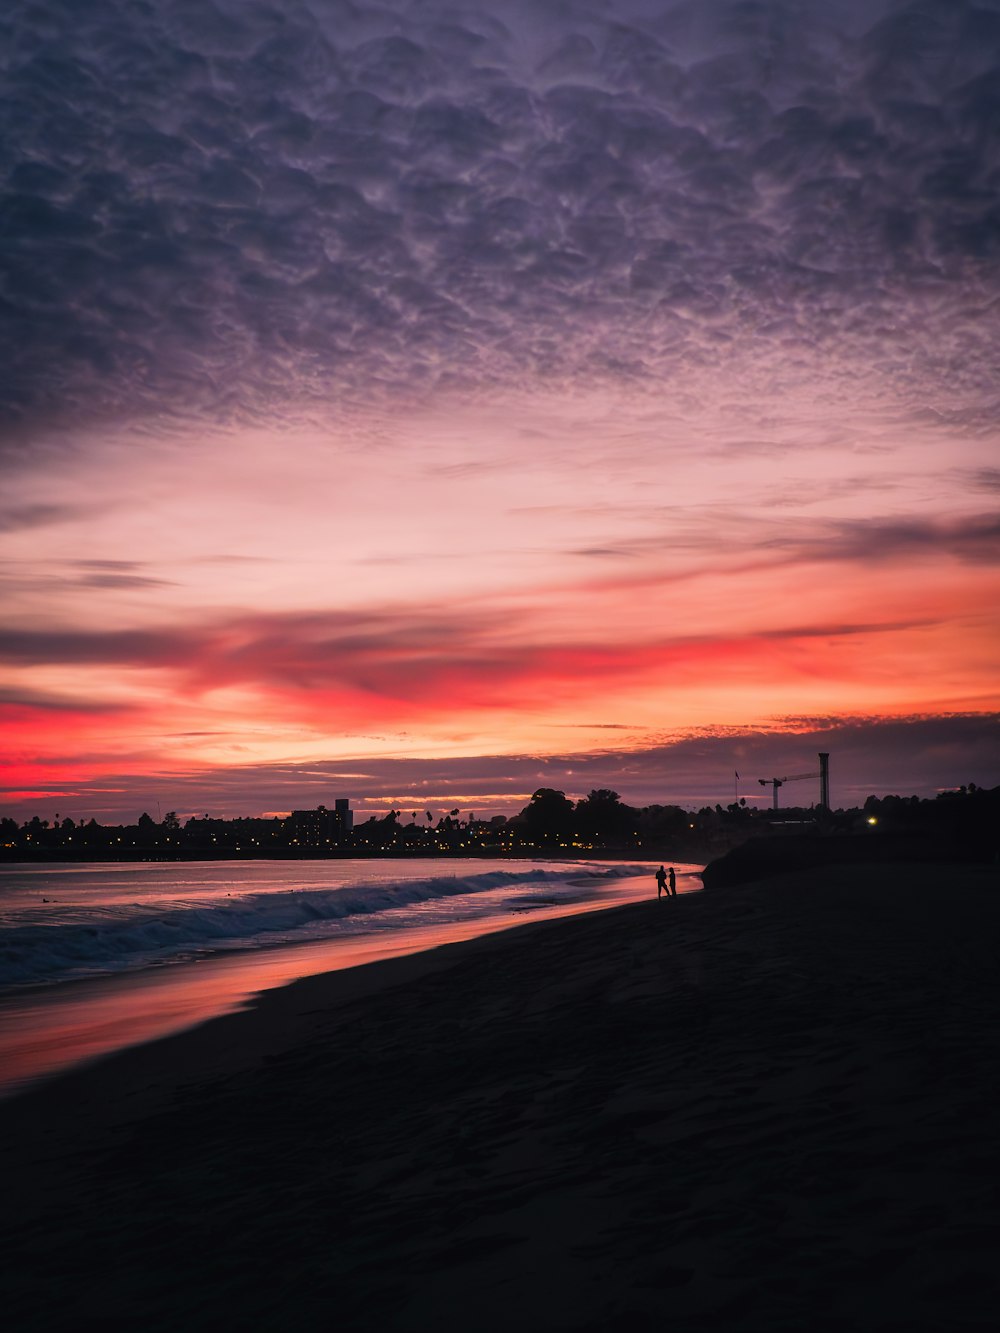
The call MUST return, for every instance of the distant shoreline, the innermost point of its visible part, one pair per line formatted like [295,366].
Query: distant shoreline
[956,825]
[525,853]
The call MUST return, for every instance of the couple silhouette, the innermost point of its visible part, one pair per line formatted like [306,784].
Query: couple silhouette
[666,882]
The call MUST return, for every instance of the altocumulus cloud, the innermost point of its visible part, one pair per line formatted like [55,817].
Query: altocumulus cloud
[242,210]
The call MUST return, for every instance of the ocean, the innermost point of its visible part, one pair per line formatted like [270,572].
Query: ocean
[94,957]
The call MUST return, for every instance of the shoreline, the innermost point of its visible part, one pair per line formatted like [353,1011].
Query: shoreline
[643,852]
[742,1109]
[48,1030]
[281,1018]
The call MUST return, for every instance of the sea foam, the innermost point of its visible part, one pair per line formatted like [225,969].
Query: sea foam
[97,939]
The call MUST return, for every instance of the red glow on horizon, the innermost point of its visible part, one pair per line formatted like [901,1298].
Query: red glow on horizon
[610,615]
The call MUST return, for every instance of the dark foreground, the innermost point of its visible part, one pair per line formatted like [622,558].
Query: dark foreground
[769,1107]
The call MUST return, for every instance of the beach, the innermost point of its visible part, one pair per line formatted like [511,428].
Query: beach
[769,1106]
[98,957]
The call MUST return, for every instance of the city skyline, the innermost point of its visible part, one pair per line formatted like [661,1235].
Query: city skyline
[425,405]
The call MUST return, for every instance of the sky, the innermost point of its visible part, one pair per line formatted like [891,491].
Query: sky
[424,403]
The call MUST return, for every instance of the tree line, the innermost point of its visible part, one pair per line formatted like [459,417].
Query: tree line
[551,823]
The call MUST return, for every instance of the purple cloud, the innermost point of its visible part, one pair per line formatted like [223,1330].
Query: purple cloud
[905,756]
[226,211]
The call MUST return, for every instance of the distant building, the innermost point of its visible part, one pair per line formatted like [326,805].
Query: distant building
[320,827]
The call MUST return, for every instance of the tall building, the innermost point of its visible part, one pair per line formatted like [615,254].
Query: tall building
[321,827]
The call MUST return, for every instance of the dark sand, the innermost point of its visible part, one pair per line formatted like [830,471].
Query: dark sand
[771,1107]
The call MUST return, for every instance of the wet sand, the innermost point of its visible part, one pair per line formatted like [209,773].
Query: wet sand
[49,1030]
[765,1107]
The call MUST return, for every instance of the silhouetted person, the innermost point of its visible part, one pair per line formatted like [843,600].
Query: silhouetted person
[661,881]
[673,882]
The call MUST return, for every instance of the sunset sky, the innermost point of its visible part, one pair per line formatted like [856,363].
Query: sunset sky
[424,402]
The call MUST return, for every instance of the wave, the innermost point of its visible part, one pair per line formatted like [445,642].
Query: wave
[90,941]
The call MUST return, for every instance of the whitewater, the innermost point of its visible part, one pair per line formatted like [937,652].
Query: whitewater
[64,922]
[94,957]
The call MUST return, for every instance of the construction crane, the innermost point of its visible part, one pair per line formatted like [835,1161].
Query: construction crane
[824,781]
[780,782]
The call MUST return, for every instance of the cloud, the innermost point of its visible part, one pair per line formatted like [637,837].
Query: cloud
[757,545]
[907,756]
[621,357]
[104,574]
[398,662]
[983,479]
[27,517]
[88,647]
[122,581]
[24,700]
[231,212]
[604,552]
[974,538]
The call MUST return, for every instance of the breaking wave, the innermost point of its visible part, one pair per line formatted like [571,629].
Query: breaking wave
[95,940]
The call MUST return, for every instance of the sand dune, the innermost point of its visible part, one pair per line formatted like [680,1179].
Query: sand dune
[765,1107]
